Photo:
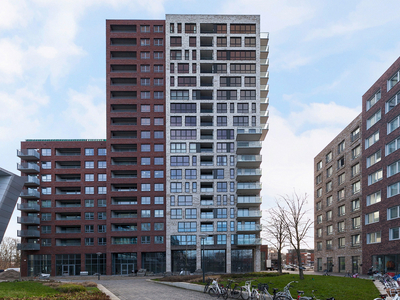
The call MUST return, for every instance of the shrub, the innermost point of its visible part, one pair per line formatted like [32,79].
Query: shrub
[70,288]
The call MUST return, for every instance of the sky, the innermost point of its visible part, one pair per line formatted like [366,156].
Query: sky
[323,56]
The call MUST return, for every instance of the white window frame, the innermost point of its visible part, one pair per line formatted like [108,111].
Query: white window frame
[375,177]
[372,139]
[374,198]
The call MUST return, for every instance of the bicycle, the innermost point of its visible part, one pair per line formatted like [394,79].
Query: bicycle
[326,273]
[207,286]
[249,291]
[286,291]
[216,290]
[234,292]
[265,295]
[310,298]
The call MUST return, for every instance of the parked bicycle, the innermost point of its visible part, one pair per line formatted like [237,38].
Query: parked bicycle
[233,292]
[207,286]
[265,295]
[216,290]
[310,298]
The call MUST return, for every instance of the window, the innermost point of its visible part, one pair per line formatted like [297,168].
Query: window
[341,226]
[46,178]
[89,164]
[329,229]
[179,160]
[145,239]
[372,218]
[158,148]
[319,219]
[145,161]
[329,201]
[158,187]
[102,164]
[144,42]
[145,108]
[318,179]
[355,170]
[89,241]
[319,232]
[355,205]
[89,216]
[176,187]
[102,190]
[355,134]
[374,237]
[145,200]
[46,217]
[329,172]
[393,80]
[329,215]
[241,121]
[144,81]
[329,186]
[158,55]
[158,174]
[179,95]
[158,161]
[393,124]
[221,107]
[374,158]
[158,121]
[375,98]
[204,227]
[145,95]
[145,187]
[89,228]
[328,157]
[191,213]
[158,42]
[46,203]
[249,42]
[356,187]
[341,210]
[101,177]
[222,121]
[373,119]
[89,190]
[319,246]
[145,55]
[341,147]
[341,194]
[146,226]
[356,222]
[146,213]
[46,191]
[318,205]
[46,152]
[187,227]
[319,192]
[89,151]
[392,146]
[342,242]
[158,226]
[374,198]
[372,139]
[341,178]
[101,203]
[355,152]
[144,68]
[190,174]
[394,234]
[102,151]
[102,241]
[393,168]
[340,162]
[395,100]
[183,134]
[89,203]
[375,177]
[145,174]
[185,200]
[393,212]
[46,229]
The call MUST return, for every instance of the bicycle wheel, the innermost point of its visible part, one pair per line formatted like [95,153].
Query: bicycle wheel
[236,292]
[283,297]
[213,293]
[206,288]
[244,294]
[253,295]
[224,293]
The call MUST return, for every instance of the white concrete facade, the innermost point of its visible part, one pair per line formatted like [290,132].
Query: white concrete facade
[216,79]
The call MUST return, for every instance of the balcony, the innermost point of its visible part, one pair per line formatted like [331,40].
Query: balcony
[31,181]
[248,188]
[68,217]
[28,247]
[28,207]
[30,194]
[264,91]
[247,241]
[249,214]
[28,220]
[249,148]
[249,227]
[249,134]
[264,103]
[248,201]
[248,161]
[28,233]
[28,154]
[264,116]
[28,168]
[248,174]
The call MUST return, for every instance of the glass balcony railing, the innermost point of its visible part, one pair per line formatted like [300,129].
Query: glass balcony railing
[249,214]
[249,172]
[28,207]
[249,200]
[30,193]
[249,227]
[249,185]
[28,233]
[28,154]
[28,168]
[28,220]
[28,247]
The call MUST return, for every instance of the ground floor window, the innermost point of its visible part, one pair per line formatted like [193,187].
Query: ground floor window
[214,261]
[68,264]
[95,263]
[154,262]
[39,264]
[329,264]
[355,264]
[319,264]
[183,260]
[124,263]
[242,261]
[386,263]
[342,264]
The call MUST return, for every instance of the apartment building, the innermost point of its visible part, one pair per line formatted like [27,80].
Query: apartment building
[374,218]
[176,184]
[381,166]
[338,196]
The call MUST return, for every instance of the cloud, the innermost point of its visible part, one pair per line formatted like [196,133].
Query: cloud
[87,111]
[14,13]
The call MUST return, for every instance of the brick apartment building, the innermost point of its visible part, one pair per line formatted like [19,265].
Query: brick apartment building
[180,169]
[307,257]
[356,209]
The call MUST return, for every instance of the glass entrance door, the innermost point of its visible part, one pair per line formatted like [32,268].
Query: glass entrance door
[68,270]
[126,269]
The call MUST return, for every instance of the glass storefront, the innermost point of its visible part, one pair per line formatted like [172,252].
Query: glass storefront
[386,263]
[154,262]
[242,261]
[342,264]
[124,263]
[214,261]
[183,260]
[39,264]
[91,263]
[68,264]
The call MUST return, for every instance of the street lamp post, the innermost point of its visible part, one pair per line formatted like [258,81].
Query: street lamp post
[203,237]
[98,268]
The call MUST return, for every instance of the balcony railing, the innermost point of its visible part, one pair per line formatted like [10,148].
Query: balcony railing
[249,186]
[28,247]
[28,168]
[28,233]
[249,172]
[247,241]
[249,227]
[30,193]
[28,154]
[28,220]
[28,207]
[249,200]
[32,181]
[249,214]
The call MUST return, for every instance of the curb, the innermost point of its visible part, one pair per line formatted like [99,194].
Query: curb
[183,285]
[107,292]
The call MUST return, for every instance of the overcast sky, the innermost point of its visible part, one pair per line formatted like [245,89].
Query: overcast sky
[324,55]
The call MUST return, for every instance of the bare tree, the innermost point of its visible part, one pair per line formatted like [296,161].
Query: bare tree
[9,255]
[296,221]
[275,233]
